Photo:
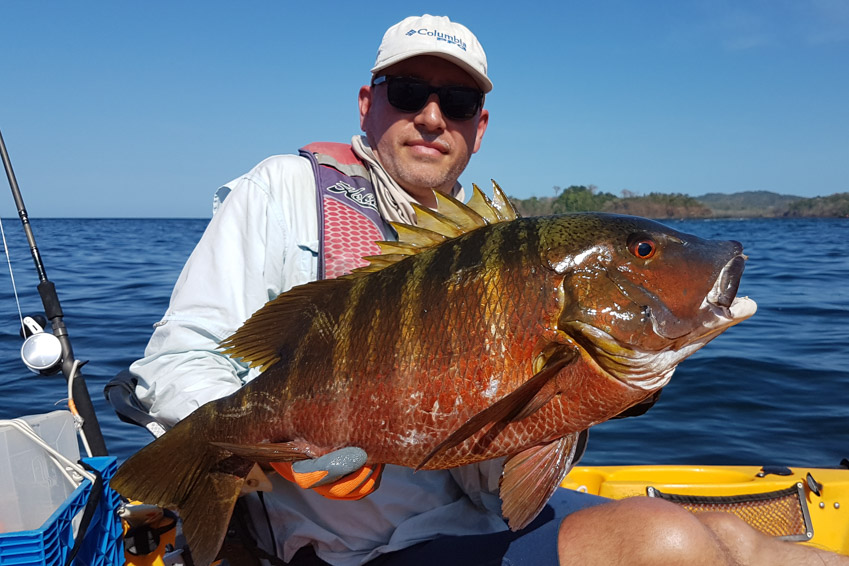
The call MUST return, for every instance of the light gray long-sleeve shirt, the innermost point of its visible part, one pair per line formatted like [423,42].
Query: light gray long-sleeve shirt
[263,240]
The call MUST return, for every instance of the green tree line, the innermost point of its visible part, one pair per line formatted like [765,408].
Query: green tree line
[581,198]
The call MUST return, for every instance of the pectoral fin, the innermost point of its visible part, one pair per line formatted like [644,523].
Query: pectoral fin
[521,403]
[531,477]
[267,452]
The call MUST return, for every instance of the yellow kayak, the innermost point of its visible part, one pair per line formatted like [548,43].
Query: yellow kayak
[809,505]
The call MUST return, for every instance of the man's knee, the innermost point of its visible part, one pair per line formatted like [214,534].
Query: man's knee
[735,536]
[638,530]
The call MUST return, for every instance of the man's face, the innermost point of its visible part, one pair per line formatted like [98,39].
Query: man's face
[422,150]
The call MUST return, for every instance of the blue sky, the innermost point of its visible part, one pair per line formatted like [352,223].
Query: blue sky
[120,109]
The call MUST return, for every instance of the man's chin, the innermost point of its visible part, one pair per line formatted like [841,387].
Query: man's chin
[422,184]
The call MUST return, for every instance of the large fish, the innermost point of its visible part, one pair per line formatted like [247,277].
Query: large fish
[478,335]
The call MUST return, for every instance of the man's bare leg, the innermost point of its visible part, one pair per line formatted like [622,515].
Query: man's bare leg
[648,531]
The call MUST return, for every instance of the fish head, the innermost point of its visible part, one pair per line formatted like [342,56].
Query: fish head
[638,297]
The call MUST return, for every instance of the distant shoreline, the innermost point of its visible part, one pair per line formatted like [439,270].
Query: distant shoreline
[748,204]
[579,198]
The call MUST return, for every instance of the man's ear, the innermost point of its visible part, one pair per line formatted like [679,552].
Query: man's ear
[483,122]
[364,102]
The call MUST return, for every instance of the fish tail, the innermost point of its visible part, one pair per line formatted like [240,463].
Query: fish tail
[183,470]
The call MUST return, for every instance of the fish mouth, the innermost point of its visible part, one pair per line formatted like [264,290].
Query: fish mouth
[722,299]
[724,290]
[719,309]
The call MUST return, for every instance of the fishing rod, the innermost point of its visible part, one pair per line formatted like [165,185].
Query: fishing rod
[53,311]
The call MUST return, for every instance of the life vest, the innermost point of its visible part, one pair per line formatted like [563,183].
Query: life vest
[349,222]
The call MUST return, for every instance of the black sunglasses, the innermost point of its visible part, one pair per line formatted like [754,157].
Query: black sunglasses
[409,94]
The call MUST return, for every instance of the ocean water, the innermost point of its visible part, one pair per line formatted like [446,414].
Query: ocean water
[772,390]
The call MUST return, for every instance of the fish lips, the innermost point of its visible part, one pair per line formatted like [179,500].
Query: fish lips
[722,299]
[724,291]
[722,307]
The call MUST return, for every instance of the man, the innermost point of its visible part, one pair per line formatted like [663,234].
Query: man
[288,222]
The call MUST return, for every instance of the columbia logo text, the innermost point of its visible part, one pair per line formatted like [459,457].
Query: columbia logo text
[453,39]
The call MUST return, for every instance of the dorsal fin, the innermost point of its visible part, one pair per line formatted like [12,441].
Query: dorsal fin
[275,329]
[450,219]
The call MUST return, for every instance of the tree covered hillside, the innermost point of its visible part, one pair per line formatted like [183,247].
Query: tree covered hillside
[748,204]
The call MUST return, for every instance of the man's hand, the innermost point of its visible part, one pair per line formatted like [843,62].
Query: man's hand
[341,474]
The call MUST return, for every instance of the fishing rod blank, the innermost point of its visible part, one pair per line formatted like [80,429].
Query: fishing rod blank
[53,312]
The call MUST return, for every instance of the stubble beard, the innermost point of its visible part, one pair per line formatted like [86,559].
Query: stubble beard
[419,177]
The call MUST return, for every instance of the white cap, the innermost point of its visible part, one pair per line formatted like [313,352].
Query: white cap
[433,35]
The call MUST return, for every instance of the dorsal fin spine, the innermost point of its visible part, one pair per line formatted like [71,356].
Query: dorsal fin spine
[452,218]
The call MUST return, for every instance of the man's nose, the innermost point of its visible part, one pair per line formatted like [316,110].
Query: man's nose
[431,115]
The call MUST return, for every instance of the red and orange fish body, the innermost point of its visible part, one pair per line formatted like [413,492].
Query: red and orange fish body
[508,340]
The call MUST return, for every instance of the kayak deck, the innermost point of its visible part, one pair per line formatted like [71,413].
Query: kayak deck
[817,498]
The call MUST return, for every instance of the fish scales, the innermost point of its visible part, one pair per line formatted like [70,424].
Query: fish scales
[508,341]
[442,355]
[459,383]
[477,287]
[488,300]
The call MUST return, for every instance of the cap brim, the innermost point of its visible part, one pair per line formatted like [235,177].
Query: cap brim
[482,80]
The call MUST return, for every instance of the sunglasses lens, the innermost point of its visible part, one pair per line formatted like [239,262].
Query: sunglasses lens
[459,103]
[407,95]
[410,95]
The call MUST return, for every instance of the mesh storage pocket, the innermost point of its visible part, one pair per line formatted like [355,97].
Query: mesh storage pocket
[782,514]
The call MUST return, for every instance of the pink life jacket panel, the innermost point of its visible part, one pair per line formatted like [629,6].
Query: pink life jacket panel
[349,222]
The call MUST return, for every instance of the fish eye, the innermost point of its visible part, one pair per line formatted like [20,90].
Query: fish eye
[643,247]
